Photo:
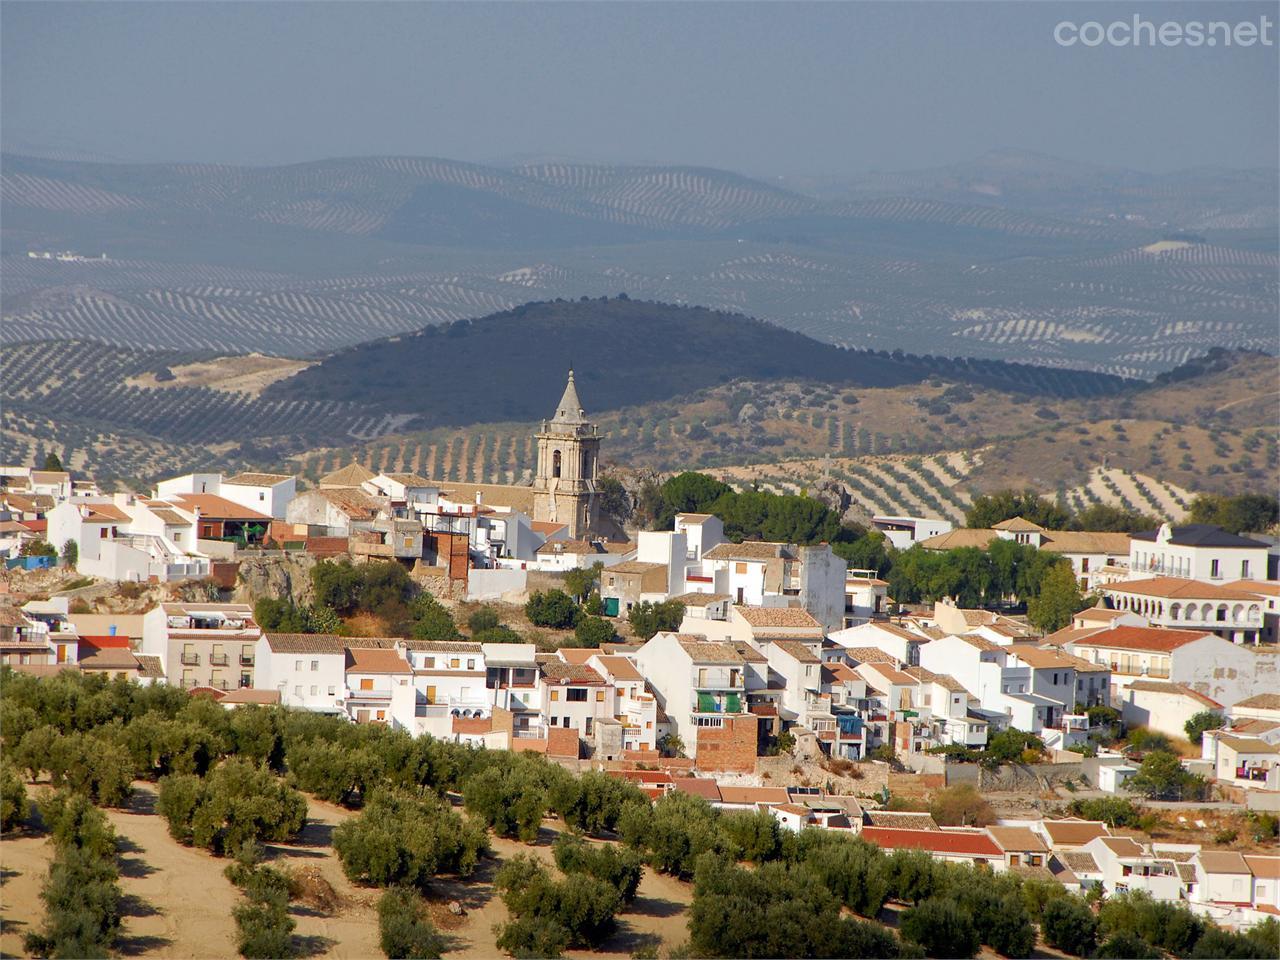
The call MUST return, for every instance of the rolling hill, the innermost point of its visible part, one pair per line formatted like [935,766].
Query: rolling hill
[1012,256]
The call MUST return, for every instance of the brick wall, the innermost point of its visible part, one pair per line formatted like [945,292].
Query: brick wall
[224,574]
[731,748]
[563,742]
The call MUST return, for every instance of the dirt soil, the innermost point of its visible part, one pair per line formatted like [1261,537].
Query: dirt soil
[178,903]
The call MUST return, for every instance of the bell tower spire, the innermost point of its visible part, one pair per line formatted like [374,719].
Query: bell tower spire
[568,461]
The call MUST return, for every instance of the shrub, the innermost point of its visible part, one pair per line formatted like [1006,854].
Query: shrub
[1126,946]
[551,608]
[432,621]
[1202,721]
[942,928]
[648,618]
[264,929]
[235,803]
[961,805]
[511,796]
[751,835]
[404,931]
[594,801]
[1069,925]
[593,631]
[486,618]
[1113,811]
[582,906]
[401,839]
[672,833]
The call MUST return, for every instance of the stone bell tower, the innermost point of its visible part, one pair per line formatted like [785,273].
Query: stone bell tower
[568,460]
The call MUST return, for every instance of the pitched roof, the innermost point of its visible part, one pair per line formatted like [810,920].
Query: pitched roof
[352,501]
[636,567]
[583,547]
[1247,744]
[442,646]
[251,695]
[778,617]
[1200,535]
[1270,588]
[698,786]
[694,519]
[493,495]
[755,550]
[963,537]
[375,660]
[1223,861]
[695,599]
[352,475]
[1122,846]
[408,479]
[569,409]
[900,819]
[214,507]
[797,651]
[1179,587]
[1085,541]
[1074,832]
[1102,614]
[772,796]
[870,655]
[1017,839]
[1265,866]
[1060,638]
[620,668]
[1176,690]
[1078,861]
[959,843]
[1142,638]
[556,671]
[1260,701]
[305,643]
[1018,525]
[257,479]
[108,658]
[1041,658]
[748,653]
[701,650]
[944,680]
[150,667]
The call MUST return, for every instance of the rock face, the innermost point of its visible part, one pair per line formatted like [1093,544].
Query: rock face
[833,493]
[284,578]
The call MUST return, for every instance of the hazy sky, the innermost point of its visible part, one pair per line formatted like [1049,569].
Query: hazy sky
[790,89]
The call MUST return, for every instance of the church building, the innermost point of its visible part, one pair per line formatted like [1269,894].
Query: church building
[568,461]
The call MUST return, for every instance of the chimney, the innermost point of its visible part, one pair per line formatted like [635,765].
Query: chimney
[478,496]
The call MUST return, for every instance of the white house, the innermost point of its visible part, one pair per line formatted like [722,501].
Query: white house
[1127,865]
[866,597]
[1232,611]
[203,644]
[374,675]
[308,670]
[757,573]
[636,709]
[268,493]
[899,642]
[903,532]
[1197,551]
[1163,706]
[1251,763]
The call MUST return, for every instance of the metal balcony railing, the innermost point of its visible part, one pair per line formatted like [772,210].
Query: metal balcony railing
[190,659]
[218,659]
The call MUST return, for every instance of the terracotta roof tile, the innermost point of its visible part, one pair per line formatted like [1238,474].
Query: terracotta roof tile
[959,843]
[778,617]
[1142,638]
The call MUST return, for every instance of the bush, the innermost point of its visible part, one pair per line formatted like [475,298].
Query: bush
[401,839]
[486,618]
[593,631]
[511,796]
[551,608]
[92,765]
[672,833]
[432,621]
[264,929]
[1113,811]
[235,803]
[581,906]
[1202,721]
[1127,946]
[961,806]
[594,801]
[1069,925]
[941,927]
[404,931]
[13,798]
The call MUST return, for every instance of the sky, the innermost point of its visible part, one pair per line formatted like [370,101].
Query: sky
[785,90]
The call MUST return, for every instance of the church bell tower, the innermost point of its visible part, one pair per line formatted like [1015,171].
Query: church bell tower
[568,461]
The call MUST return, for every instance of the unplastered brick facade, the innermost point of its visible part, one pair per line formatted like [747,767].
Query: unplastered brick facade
[730,748]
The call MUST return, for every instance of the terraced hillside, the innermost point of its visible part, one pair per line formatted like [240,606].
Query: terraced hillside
[299,260]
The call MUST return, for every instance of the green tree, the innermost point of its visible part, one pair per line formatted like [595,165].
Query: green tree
[989,509]
[1161,776]
[1202,721]
[404,930]
[941,927]
[593,631]
[615,502]
[37,548]
[1247,513]
[510,797]
[1069,925]
[961,805]
[338,585]
[401,839]
[432,620]
[237,802]
[1126,946]
[551,608]
[691,492]
[1105,518]
[53,462]
[617,866]
[1059,599]
[13,798]
[264,929]
[580,581]
[70,553]
[647,618]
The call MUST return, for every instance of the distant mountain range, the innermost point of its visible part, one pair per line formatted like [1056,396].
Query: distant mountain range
[1012,256]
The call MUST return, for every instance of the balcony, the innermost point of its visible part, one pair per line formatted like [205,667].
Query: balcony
[368,694]
[186,684]
[246,659]
[189,659]
[706,703]
[218,659]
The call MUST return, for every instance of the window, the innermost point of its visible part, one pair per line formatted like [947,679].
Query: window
[1244,569]
[599,696]
[315,665]
[564,721]
[1213,569]
[331,691]
[314,689]
[471,664]
[739,568]
[408,543]
[428,663]
[555,464]
[261,496]
[431,694]
[555,694]
[382,715]
[588,729]
[366,683]
[297,665]
[576,695]
[648,724]
[297,691]
[454,663]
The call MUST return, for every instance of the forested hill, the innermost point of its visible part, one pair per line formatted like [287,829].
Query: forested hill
[511,365]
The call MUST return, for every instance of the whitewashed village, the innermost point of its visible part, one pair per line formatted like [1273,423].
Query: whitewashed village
[761,676]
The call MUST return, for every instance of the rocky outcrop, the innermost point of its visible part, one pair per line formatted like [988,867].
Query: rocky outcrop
[283,577]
